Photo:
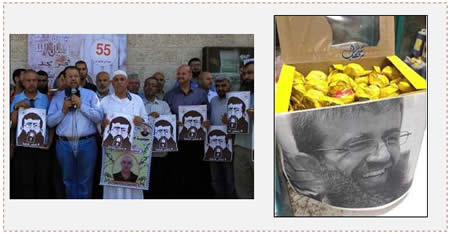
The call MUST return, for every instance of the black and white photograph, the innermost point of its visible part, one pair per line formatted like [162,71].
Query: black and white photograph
[31,127]
[165,136]
[218,146]
[118,134]
[192,118]
[237,105]
[361,155]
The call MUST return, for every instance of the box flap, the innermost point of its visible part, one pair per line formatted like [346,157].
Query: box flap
[284,88]
[307,39]
[415,79]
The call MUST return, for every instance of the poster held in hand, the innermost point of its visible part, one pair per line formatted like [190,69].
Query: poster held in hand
[119,132]
[237,106]
[218,146]
[192,118]
[165,135]
[129,169]
[31,128]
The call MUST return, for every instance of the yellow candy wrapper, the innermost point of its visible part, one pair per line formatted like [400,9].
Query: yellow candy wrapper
[355,70]
[362,80]
[371,92]
[389,91]
[316,75]
[391,72]
[320,85]
[378,79]
[405,86]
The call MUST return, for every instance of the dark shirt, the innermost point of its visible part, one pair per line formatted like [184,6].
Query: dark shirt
[90,86]
[176,97]
[118,177]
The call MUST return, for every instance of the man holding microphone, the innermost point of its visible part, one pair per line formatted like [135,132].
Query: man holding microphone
[75,113]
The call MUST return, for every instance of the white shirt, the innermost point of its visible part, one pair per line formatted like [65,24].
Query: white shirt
[130,105]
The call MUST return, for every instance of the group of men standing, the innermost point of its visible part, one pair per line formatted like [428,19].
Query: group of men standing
[77,114]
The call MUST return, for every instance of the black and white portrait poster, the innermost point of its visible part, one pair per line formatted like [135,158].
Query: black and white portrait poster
[31,127]
[118,134]
[237,105]
[165,135]
[218,146]
[192,118]
[361,155]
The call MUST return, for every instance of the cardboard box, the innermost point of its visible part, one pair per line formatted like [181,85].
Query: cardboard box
[360,155]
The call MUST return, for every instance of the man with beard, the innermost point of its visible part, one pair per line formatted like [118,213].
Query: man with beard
[189,175]
[125,174]
[236,119]
[103,81]
[31,134]
[217,150]
[85,80]
[196,68]
[119,134]
[161,81]
[122,101]
[159,166]
[42,82]
[222,178]
[349,156]
[192,127]
[243,144]
[75,113]
[31,166]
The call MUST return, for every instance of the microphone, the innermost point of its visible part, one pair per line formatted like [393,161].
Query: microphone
[74,92]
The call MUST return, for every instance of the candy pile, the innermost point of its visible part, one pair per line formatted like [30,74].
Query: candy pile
[346,84]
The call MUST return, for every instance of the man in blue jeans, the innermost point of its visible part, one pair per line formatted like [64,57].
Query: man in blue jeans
[75,113]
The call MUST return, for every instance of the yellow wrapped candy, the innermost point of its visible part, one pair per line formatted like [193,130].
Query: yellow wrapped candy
[378,79]
[364,91]
[340,82]
[315,98]
[316,75]
[355,70]
[320,85]
[389,91]
[391,72]
[362,80]
[405,86]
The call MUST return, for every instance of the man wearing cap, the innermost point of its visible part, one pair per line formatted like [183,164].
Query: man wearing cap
[75,112]
[243,144]
[125,102]
[222,178]
[190,174]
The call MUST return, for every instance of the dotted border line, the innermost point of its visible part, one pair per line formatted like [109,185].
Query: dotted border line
[205,230]
[226,3]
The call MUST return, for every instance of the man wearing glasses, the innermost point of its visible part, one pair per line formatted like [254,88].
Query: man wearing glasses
[349,156]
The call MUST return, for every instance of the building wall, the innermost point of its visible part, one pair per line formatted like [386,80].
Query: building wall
[148,53]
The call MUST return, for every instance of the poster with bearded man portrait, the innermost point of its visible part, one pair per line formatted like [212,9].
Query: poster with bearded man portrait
[118,134]
[237,105]
[192,118]
[361,155]
[218,146]
[165,135]
[31,127]
[129,169]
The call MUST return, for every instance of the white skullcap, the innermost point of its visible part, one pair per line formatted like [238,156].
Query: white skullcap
[119,72]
